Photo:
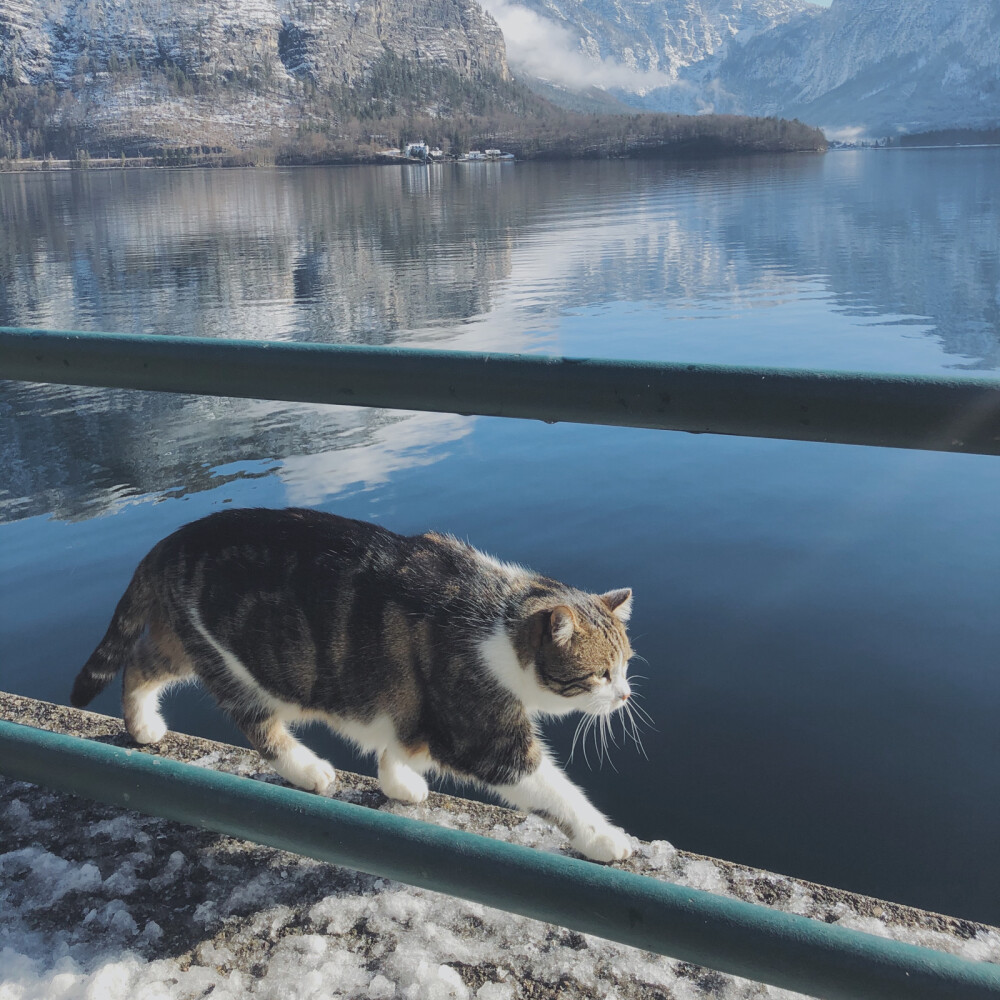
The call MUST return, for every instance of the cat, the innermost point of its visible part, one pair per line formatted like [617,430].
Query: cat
[431,654]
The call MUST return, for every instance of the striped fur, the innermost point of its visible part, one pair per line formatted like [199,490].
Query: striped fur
[421,649]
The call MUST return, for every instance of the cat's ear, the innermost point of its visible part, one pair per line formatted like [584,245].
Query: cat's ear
[619,602]
[562,622]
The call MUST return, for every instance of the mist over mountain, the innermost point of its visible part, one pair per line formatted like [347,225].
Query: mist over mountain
[858,67]
[630,47]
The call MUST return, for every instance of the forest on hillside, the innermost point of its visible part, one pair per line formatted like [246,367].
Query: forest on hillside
[399,100]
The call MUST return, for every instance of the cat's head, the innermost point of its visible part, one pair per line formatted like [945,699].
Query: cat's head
[576,647]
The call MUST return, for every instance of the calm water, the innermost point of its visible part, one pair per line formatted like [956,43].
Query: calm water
[820,622]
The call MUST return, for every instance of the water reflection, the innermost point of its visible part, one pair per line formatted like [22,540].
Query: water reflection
[77,452]
[819,621]
[481,257]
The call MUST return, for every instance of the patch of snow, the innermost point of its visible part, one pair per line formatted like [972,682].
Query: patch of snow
[127,906]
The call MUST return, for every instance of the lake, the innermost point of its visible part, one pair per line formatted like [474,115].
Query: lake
[820,621]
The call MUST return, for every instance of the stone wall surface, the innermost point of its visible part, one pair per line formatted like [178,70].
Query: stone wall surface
[95,898]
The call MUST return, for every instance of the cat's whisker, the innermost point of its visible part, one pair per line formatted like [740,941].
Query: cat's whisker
[576,737]
[642,713]
[609,725]
[589,722]
[606,734]
[604,738]
[599,740]
[635,733]
[647,721]
[596,730]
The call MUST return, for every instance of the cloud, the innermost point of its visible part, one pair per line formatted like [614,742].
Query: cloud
[551,51]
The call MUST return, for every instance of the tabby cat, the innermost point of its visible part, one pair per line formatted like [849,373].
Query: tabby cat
[422,649]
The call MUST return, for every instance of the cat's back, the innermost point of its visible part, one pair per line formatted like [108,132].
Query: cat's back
[307,548]
[246,544]
[291,529]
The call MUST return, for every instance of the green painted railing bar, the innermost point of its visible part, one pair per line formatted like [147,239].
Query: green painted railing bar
[899,411]
[782,949]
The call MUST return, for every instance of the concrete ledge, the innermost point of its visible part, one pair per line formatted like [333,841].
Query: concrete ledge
[96,901]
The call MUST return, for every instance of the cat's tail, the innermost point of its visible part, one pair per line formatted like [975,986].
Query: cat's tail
[116,648]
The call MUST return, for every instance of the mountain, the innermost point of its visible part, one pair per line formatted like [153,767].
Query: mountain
[325,41]
[305,81]
[135,73]
[875,67]
[878,66]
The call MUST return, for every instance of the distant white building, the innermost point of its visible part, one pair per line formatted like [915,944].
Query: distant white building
[418,150]
[489,154]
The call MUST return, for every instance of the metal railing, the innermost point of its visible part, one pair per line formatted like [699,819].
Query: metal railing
[743,939]
[899,411]
[739,938]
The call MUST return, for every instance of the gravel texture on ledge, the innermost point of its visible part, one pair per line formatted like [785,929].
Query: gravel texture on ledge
[96,901]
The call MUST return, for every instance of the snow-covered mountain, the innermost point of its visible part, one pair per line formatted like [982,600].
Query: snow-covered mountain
[226,74]
[882,66]
[873,67]
[275,41]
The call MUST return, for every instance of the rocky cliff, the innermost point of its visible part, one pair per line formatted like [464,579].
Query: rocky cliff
[275,41]
[130,74]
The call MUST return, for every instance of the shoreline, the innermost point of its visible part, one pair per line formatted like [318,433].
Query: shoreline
[211,163]
[150,162]
[219,161]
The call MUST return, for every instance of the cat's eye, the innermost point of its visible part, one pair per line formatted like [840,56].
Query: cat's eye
[606,676]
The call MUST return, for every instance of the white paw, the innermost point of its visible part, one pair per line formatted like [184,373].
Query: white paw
[148,730]
[303,768]
[606,843]
[402,784]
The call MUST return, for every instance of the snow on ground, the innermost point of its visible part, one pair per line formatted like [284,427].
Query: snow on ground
[101,904]
[80,921]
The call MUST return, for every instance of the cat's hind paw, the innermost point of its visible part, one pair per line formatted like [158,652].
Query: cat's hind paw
[147,729]
[606,843]
[402,783]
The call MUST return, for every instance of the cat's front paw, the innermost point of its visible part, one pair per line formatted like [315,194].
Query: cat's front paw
[319,778]
[303,768]
[605,843]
